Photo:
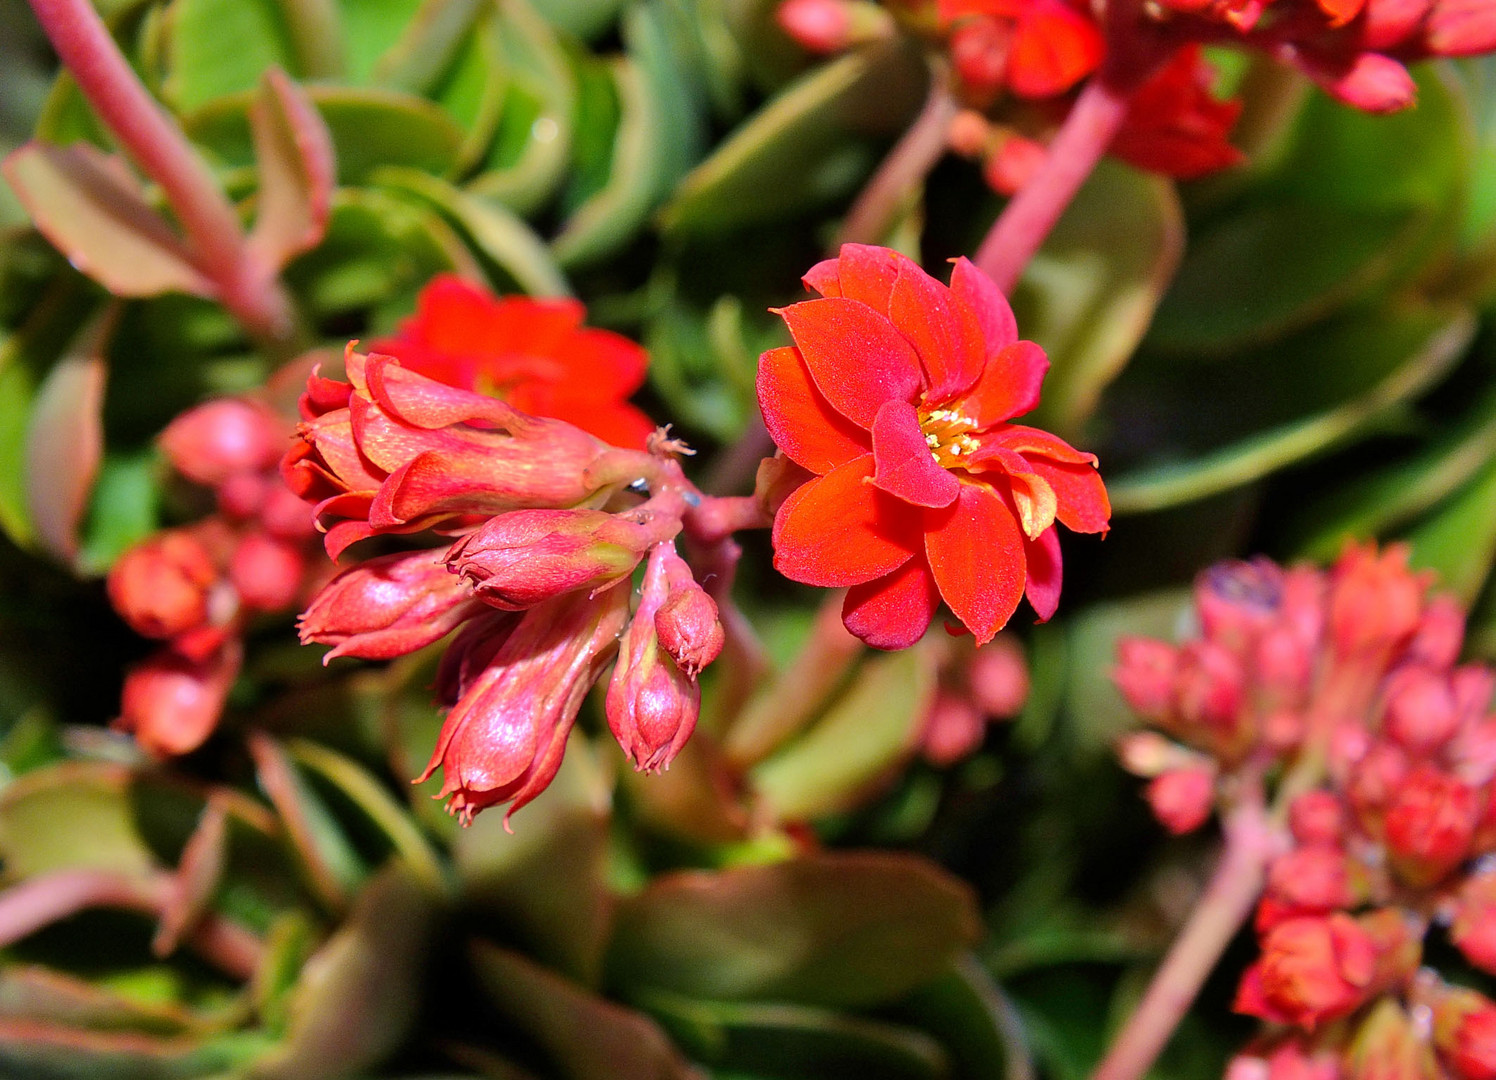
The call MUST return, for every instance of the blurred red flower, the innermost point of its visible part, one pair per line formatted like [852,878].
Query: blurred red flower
[534,354]
[896,395]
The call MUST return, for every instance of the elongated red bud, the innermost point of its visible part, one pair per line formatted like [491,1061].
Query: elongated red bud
[160,586]
[387,607]
[214,441]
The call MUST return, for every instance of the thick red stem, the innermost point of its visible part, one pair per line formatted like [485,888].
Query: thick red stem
[158,146]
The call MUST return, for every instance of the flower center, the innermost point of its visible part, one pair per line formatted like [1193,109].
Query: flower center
[947,434]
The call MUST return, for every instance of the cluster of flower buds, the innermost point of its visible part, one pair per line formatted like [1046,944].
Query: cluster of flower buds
[195,587]
[1017,65]
[1345,686]
[977,685]
[547,525]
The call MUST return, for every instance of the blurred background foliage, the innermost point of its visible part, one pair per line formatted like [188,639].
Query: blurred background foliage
[1273,360]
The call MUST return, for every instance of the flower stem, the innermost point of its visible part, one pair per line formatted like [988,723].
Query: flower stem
[906,165]
[145,131]
[1223,908]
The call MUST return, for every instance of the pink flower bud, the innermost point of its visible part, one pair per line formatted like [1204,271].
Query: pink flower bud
[1182,799]
[241,495]
[171,704]
[1474,934]
[387,607]
[999,678]
[1210,694]
[1369,81]
[1292,1060]
[266,572]
[1440,633]
[818,26]
[1317,817]
[1421,712]
[1375,601]
[951,729]
[1464,1024]
[283,514]
[1460,28]
[161,585]
[1283,663]
[979,49]
[214,441]
[520,559]
[652,705]
[1390,23]
[1236,600]
[1147,754]
[1429,824]
[1145,674]
[1311,880]
[1012,163]
[969,134]
[687,622]
[504,740]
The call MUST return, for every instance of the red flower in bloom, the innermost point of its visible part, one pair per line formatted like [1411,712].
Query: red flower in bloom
[535,354]
[1175,126]
[1037,48]
[897,395]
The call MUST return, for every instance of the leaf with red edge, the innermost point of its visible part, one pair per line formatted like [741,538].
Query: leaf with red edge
[893,611]
[1045,568]
[944,332]
[93,210]
[840,530]
[295,163]
[904,466]
[975,548]
[65,442]
[799,420]
[856,357]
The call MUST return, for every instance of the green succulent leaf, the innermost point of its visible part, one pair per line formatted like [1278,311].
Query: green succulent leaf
[1458,540]
[834,929]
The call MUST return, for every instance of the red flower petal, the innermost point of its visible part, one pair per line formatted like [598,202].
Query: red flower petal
[1082,502]
[799,420]
[859,272]
[894,611]
[856,357]
[1054,48]
[904,465]
[944,333]
[1031,442]
[840,530]
[1045,569]
[972,286]
[975,548]
[1009,385]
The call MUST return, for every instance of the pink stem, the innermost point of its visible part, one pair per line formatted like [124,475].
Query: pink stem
[906,165]
[1020,230]
[1222,909]
[157,145]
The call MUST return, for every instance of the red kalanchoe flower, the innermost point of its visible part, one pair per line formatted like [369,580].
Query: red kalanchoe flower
[897,395]
[1175,126]
[535,354]
[1036,48]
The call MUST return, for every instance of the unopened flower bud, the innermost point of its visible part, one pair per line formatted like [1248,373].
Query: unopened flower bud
[1211,691]
[1460,28]
[214,441]
[1182,799]
[1371,82]
[387,607]
[522,558]
[969,134]
[1389,1046]
[283,514]
[952,729]
[687,621]
[652,705]
[160,586]
[1013,161]
[1317,817]
[241,495]
[266,572]
[1375,601]
[1311,880]
[828,26]
[1283,664]
[1292,1060]
[1145,674]
[1473,930]
[1390,23]
[979,52]
[1147,754]
[171,703]
[504,740]
[1374,781]
[1429,824]
[998,677]
[1421,713]
[1440,633]
[1464,1024]
[1237,600]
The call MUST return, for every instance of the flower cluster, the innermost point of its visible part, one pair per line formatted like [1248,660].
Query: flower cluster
[1346,685]
[976,686]
[195,587]
[546,524]
[1017,65]
[897,398]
